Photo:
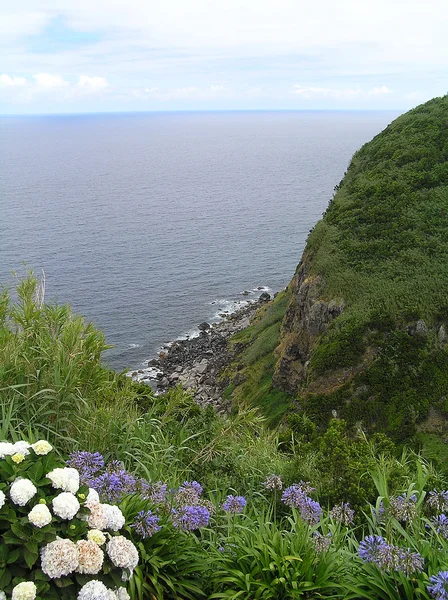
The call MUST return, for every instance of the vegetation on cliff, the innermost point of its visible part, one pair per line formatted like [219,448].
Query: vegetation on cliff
[365,333]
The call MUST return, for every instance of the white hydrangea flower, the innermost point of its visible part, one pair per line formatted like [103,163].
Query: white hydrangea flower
[40,515]
[42,447]
[122,552]
[22,447]
[65,505]
[97,536]
[59,558]
[92,497]
[122,594]
[95,590]
[115,518]
[65,479]
[6,449]
[2,595]
[90,557]
[2,501]
[98,517]
[24,591]
[22,490]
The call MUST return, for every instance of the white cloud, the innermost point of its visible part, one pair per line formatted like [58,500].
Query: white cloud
[92,84]
[379,91]
[7,81]
[46,81]
[311,93]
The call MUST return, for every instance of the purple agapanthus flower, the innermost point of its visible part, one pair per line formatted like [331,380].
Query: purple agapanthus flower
[234,504]
[154,492]
[88,464]
[370,547]
[402,508]
[438,500]
[388,557]
[113,485]
[440,524]
[146,524]
[189,518]
[438,587]
[342,513]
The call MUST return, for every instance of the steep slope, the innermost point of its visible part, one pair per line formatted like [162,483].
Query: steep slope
[365,333]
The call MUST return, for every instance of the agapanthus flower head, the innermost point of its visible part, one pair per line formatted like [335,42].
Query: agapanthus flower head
[88,464]
[440,524]
[188,493]
[24,591]
[234,504]
[370,547]
[273,482]
[321,542]
[59,558]
[342,513]
[379,514]
[189,518]
[388,557]
[295,493]
[438,587]
[402,508]
[408,562]
[113,485]
[310,511]
[146,524]
[438,501]
[155,492]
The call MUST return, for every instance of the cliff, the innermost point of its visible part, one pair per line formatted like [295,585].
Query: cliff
[364,333]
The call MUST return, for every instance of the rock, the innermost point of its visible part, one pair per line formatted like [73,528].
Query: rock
[260,287]
[134,373]
[442,335]
[153,363]
[245,293]
[421,328]
[204,326]
[201,367]
[264,297]
[140,371]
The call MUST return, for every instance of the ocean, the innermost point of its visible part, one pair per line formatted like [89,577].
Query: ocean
[150,223]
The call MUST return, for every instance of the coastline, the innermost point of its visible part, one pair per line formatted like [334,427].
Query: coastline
[196,362]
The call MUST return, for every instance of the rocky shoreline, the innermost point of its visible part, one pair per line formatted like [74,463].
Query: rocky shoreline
[197,362]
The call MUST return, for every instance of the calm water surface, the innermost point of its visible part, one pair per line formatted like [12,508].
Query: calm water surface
[148,224]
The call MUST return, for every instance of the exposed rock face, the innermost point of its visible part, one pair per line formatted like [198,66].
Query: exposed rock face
[307,317]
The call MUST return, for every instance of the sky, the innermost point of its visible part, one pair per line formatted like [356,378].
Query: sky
[75,56]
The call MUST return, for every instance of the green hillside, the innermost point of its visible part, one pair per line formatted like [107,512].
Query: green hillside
[382,249]
[379,257]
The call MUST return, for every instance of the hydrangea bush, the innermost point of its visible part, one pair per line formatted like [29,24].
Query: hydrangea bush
[58,539]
